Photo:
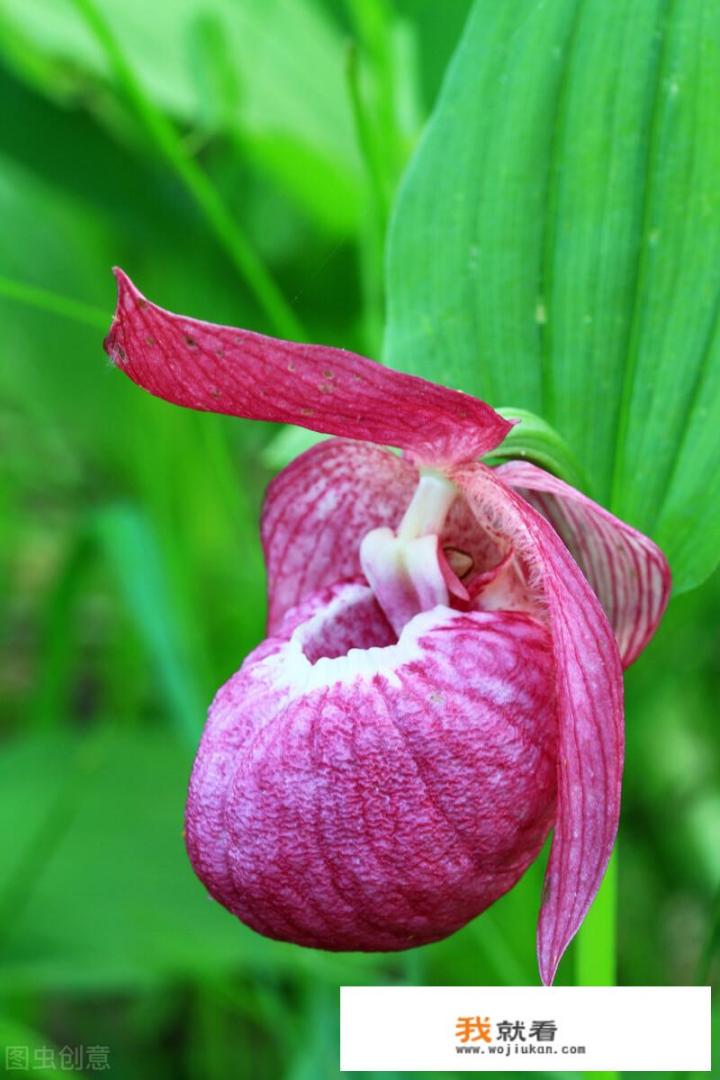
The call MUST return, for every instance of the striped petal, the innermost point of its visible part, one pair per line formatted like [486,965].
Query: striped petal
[628,573]
[589,695]
[221,369]
[318,510]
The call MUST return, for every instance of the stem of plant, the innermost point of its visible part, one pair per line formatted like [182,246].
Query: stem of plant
[209,201]
[373,236]
[596,947]
[45,300]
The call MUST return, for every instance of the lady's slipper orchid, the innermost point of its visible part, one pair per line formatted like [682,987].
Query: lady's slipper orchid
[441,683]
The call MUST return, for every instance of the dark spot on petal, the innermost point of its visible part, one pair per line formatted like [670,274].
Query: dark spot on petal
[328,375]
[190,342]
[220,351]
[291,366]
[215,393]
[141,302]
[150,340]
[119,352]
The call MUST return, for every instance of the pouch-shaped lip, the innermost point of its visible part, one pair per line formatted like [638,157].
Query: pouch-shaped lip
[380,798]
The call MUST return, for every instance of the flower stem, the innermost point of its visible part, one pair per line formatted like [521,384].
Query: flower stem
[372,237]
[596,948]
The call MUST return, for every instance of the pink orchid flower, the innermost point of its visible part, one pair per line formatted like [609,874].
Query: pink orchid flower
[441,684]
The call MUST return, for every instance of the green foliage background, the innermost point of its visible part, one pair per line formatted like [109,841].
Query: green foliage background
[240,159]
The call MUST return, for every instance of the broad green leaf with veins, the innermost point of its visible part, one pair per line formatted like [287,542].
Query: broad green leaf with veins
[556,246]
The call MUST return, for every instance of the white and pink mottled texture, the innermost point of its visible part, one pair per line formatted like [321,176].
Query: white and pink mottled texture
[382,798]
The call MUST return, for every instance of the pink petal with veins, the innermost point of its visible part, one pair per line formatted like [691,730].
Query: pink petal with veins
[628,573]
[317,511]
[221,369]
[320,507]
[356,792]
[589,691]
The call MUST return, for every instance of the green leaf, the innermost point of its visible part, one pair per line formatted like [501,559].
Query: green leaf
[467,237]
[556,243]
[532,439]
[135,558]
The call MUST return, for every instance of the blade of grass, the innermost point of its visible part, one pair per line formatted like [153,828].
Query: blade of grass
[208,200]
[129,545]
[372,238]
[88,756]
[57,639]
[123,538]
[711,950]
[367,141]
[596,948]
[596,944]
[373,23]
[45,300]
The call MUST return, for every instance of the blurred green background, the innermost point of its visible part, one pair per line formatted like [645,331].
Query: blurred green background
[238,158]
